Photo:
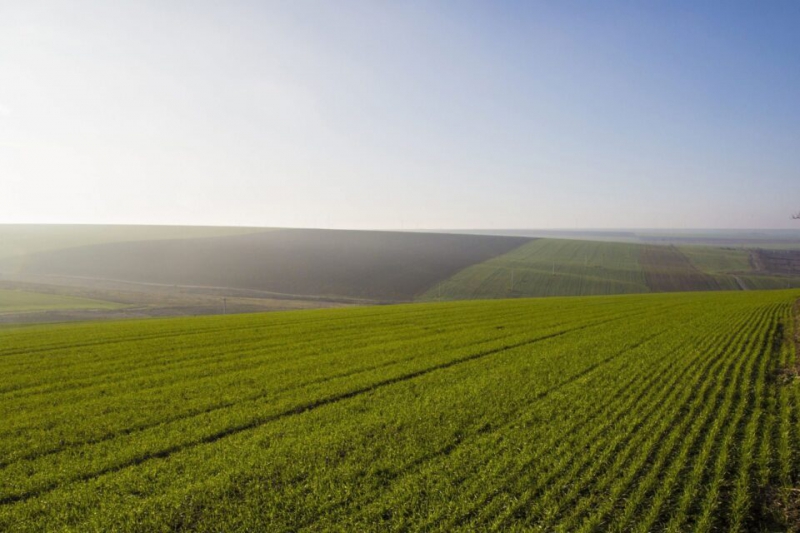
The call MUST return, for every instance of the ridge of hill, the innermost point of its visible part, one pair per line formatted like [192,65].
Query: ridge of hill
[20,240]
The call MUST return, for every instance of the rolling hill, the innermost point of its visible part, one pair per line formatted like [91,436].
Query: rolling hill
[174,270]
[366,265]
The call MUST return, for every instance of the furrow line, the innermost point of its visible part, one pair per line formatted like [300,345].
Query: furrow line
[664,482]
[167,360]
[624,397]
[572,465]
[694,481]
[656,454]
[625,451]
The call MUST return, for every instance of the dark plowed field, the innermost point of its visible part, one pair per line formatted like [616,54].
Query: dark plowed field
[777,261]
[371,265]
[666,269]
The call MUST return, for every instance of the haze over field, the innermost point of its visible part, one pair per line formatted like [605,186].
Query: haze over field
[409,115]
[465,266]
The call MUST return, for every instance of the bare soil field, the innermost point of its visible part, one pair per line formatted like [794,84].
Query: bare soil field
[666,269]
[777,261]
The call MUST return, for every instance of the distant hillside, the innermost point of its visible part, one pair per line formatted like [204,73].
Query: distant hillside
[744,239]
[562,267]
[338,266]
[373,265]
[550,267]
[667,269]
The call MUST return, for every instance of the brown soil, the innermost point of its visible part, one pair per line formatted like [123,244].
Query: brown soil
[666,269]
[777,261]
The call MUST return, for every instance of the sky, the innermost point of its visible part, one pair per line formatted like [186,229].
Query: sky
[401,115]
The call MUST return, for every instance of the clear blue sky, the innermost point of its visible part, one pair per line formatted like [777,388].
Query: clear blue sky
[401,114]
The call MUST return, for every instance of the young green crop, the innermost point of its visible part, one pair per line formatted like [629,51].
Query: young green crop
[549,267]
[648,412]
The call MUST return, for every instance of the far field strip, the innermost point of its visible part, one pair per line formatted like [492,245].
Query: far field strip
[17,301]
[568,267]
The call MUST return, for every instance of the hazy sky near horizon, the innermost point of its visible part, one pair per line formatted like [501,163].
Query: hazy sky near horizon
[407,115]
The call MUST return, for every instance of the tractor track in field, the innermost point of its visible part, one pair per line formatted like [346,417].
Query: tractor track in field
[740,283]
[300,409]
[510,418]
[225,405]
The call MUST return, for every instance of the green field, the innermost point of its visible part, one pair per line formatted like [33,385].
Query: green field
[765,282]
[15,301]
[550,267]
[676,412]
[717,260]
[723,263]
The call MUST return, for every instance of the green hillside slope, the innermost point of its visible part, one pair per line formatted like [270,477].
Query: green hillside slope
[717,260]
[550,267]
[646,412]
[373,266]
